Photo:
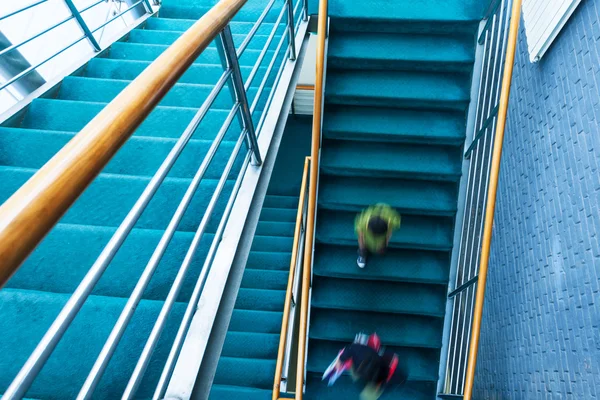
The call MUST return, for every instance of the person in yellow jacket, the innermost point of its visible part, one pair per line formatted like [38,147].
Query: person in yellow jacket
[374,227]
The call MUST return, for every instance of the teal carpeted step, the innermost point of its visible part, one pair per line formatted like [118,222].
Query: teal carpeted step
[416,232]
[278,215]
[345,388]
[421,363]
[393,125]
[273,244]
[247,372]
[387,160]
[168,37]
[256,321]
[402,89]
[371,50]
[269,260]
[72,116]
[379,296]
[237,392]
[262,346]
[265,279]
[70,250]
[397,330]
[249,12]
[182,25]
[260,299]
[32,148]
[396,265]
[284,229]
[26,315]
[110,197]
[407,196]
[274,201]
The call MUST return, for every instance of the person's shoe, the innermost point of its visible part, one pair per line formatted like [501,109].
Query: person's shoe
[361,261]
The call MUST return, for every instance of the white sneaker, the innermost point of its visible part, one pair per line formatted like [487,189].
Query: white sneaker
[361,262]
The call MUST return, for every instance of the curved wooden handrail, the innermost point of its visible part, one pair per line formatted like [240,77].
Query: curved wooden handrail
[288,295]
[312,195]
[31,212]
[491,200]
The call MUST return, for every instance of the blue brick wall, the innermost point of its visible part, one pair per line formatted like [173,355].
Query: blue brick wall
[541,325]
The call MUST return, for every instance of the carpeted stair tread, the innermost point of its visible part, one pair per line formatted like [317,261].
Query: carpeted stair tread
[162,37]
[269,260]
[72,116]
[249,12]
[387,160]
[218,392]
[181,95]
[402,89]
[422,364]
[379,296]
[72,249]
[278,214]
[260,299]
[396,265]
[283,229]
[272,243]
[397,330]
[407,196]
[416,232]
[278,201]
[372,50]
[26,315]
[183,24]
[393,125]
[109,198]
[265,279]
[140,155]
[245,372]
[262,346]
[345,388]
[256,321]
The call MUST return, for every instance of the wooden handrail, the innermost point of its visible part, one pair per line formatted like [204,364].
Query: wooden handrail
[290,285]
[491,200]
[312,194]
[31,212]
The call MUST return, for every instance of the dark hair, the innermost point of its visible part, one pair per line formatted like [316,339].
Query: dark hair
[378,225]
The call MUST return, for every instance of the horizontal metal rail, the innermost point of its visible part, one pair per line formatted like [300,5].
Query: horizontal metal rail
[20,10]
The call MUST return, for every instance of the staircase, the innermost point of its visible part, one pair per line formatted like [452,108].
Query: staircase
[37,292]
[397,91]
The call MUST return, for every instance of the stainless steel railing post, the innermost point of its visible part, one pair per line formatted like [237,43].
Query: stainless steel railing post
[290,13]
[86,30]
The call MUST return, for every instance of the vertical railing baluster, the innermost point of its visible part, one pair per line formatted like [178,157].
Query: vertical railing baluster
[240,92]
[305,11]
[83,25]
[148,6]
[290,13]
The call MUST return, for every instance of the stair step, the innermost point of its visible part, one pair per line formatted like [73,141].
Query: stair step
[181,95]
[256,321]
[396,265]
[63,258]
[278,214]
[393,329]
[382,124]
[269,260]
[421,364]
[344,388]
[26,315]
[380,297]
[407,196]
[265,279]
[388,51]
[273,244]
[253,345]
[260,299]
[182,25]
[249,12]
[163,37]
[72,116]
[276,201]
[400,89]
[386,160]
[245,372]
[283,229]
[219,392]
[109,198]
[140,155]
[416,232]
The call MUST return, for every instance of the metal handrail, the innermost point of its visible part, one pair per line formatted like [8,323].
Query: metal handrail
[322,27]
[76,15]
[29,214]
